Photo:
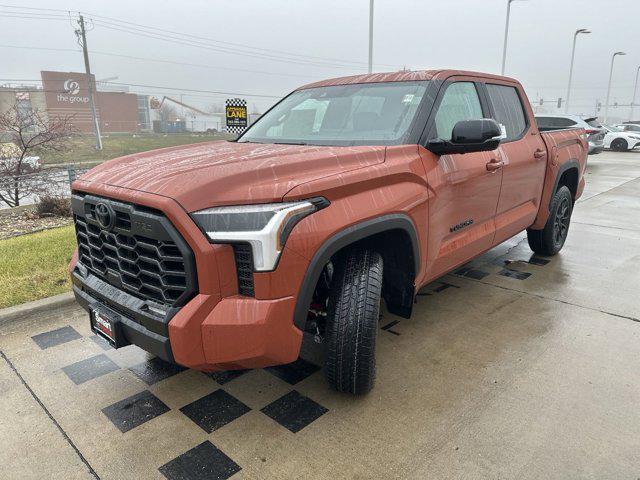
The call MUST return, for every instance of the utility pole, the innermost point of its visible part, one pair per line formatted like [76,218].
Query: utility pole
[370,36]
[606,105]
[573,54]
[82,39]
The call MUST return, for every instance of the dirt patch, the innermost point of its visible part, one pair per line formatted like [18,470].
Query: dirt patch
[22,221]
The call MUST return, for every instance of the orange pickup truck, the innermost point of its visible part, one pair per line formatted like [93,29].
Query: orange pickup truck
[225,255]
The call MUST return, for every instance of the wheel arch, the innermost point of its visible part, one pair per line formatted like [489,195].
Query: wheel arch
[401,264]
[568,176]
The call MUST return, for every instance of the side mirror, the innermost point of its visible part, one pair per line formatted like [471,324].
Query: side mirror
[469,136]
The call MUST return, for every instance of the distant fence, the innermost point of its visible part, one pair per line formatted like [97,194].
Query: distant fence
[49,181]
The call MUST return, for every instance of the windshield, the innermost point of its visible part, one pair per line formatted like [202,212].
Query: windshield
[360,114]
[612,128]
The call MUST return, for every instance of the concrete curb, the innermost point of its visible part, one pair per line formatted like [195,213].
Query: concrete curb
[18,312]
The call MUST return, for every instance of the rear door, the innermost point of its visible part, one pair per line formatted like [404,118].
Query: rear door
[464,193]
[524,155]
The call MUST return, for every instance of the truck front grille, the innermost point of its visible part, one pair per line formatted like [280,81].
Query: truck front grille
[139,251]
[244,268]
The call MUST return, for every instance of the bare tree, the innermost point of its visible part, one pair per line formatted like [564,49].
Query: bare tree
[27,134]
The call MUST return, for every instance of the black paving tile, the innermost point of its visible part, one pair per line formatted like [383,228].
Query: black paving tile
[388,326]
[444,286]
[135,410]
[90,368]
[101,342]
[471,273]
[295,372]
[156,369]
[205,461]
[294,411]
[226,376]
[56,337]
[215,410]
[538,261]
[507,272]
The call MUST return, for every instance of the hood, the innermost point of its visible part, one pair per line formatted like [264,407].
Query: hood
[227,173]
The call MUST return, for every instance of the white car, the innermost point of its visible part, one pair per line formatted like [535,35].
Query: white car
[629,127]
[9,154]
[619,140]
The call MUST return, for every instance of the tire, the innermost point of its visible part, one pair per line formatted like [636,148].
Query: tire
[619,145]
[352,321]
[551,238]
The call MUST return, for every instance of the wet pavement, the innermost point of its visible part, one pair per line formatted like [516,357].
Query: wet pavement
[514,366]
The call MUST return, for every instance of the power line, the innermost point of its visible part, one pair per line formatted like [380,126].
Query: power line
[210,40]
[159,87]
[196,40]
[196,44]
[33,17]
[158,60]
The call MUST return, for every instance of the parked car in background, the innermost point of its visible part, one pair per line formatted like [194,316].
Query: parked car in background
[595,132]
[620,140]
[629,127]
[10,157]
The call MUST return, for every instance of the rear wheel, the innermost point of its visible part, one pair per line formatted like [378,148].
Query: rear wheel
[352,321]
[619,145]
[551,238]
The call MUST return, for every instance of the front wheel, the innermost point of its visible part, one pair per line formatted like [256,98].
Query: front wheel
[551,238]
[352,321]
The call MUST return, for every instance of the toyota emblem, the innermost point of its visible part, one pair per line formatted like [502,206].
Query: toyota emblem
[105,215]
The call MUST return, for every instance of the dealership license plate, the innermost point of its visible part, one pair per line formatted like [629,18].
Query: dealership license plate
[104,325]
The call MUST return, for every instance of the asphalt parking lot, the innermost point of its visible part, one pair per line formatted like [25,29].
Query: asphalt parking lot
[515,366]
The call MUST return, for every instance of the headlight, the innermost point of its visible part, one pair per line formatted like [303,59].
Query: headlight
[265,227]
[635,137]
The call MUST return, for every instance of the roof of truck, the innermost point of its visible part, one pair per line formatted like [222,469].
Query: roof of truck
[403,76]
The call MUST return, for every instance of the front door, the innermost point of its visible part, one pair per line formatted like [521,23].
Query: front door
[464,188]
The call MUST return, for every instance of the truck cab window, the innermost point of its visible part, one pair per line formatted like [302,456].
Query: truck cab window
[460,102]
[508,110]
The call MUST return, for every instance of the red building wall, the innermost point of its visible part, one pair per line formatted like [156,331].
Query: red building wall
[67,94]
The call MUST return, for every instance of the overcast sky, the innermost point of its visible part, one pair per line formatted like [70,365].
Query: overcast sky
[465,34]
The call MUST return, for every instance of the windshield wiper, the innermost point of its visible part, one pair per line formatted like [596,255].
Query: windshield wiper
[290,143]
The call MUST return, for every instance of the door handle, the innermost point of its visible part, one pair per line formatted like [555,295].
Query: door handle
[539,153]
[494,165]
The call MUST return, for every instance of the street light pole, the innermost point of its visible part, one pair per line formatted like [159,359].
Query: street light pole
[506,36]
[370,36]
[606,105]
[635,88]
[573,54]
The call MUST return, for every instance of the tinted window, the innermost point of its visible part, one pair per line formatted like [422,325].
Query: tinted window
[565,122]
[460,102]
[554,122]
[545,122]
[508,109]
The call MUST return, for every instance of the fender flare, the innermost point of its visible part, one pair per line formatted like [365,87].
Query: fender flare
[341,239]
[568,165]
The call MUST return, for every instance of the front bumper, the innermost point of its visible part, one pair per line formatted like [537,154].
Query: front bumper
[236,332]
[217,328]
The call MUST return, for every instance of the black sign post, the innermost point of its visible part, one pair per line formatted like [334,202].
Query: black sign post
[236,113]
